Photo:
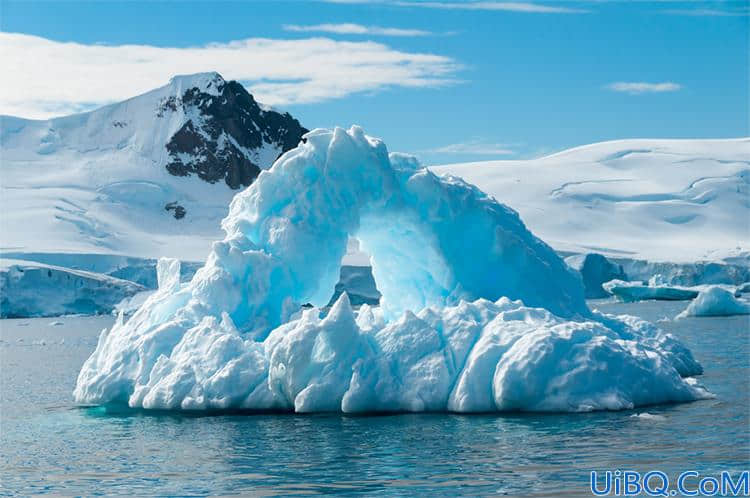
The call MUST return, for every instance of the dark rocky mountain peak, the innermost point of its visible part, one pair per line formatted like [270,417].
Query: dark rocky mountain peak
[226,134]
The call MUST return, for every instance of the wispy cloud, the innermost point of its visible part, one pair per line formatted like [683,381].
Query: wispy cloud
[710,12]
[527,7]
[355,29]
[640,87]
[474,147]
[69,77]
[531,8]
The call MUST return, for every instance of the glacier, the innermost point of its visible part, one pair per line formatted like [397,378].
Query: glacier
[476,315]
[31,289]
[653,201]
[54,284]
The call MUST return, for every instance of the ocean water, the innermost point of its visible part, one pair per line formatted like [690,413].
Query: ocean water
[49,445]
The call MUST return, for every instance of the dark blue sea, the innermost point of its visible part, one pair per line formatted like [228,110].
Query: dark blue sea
[49,445]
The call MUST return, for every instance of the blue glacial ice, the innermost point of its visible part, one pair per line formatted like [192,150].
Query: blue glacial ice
[716,301]
[476,314]
[640,291]
[29,289]
[595,270]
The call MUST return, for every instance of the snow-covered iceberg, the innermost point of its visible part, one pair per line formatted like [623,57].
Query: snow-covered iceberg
[716,301]
[733,271]
[477,314]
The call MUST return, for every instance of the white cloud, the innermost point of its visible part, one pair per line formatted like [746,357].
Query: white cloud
[355,29]
[42,77]
[639,87]
[474,147]
[527,7]
[700,12]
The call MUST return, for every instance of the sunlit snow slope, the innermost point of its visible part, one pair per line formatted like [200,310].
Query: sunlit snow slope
[661,200]
[150,176]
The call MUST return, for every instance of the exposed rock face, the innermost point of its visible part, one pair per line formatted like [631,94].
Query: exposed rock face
[228,135]
[177,211]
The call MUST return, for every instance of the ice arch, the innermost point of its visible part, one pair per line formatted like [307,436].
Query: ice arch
[432,240]
[446,258]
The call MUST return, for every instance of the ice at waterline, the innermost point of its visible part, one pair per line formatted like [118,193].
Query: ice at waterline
[477,313]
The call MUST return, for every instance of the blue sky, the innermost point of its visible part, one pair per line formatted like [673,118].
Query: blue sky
[448,81]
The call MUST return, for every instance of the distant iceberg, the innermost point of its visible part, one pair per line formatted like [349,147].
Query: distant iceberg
[595,270]
[476,313]
[716,301]
[638,291]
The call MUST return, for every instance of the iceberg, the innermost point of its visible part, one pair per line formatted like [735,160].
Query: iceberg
[658,289]
[595,270]
[476,313]
[733,271]
[638,291]
[716,301]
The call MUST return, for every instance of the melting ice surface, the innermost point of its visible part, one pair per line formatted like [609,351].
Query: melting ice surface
[477,313]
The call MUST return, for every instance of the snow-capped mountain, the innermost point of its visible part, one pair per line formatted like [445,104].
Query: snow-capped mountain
[657,200]
[149,176]
[225,134]
[153,176]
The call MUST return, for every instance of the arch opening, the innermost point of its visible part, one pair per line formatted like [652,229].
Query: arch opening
[433,241]
[234,336]
[355,277]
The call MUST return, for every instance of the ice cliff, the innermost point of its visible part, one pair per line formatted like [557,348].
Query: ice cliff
[36,289]
[477,314]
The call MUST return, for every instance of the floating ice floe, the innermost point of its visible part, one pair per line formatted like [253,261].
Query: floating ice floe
[638,291]
[649,416]
[716,301]
[730,272]
[476,314]
[657,289]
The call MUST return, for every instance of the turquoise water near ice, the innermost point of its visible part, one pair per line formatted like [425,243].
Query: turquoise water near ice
[49,445]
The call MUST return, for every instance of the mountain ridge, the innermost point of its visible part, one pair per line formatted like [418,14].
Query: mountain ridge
[195,125]
[149,176]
